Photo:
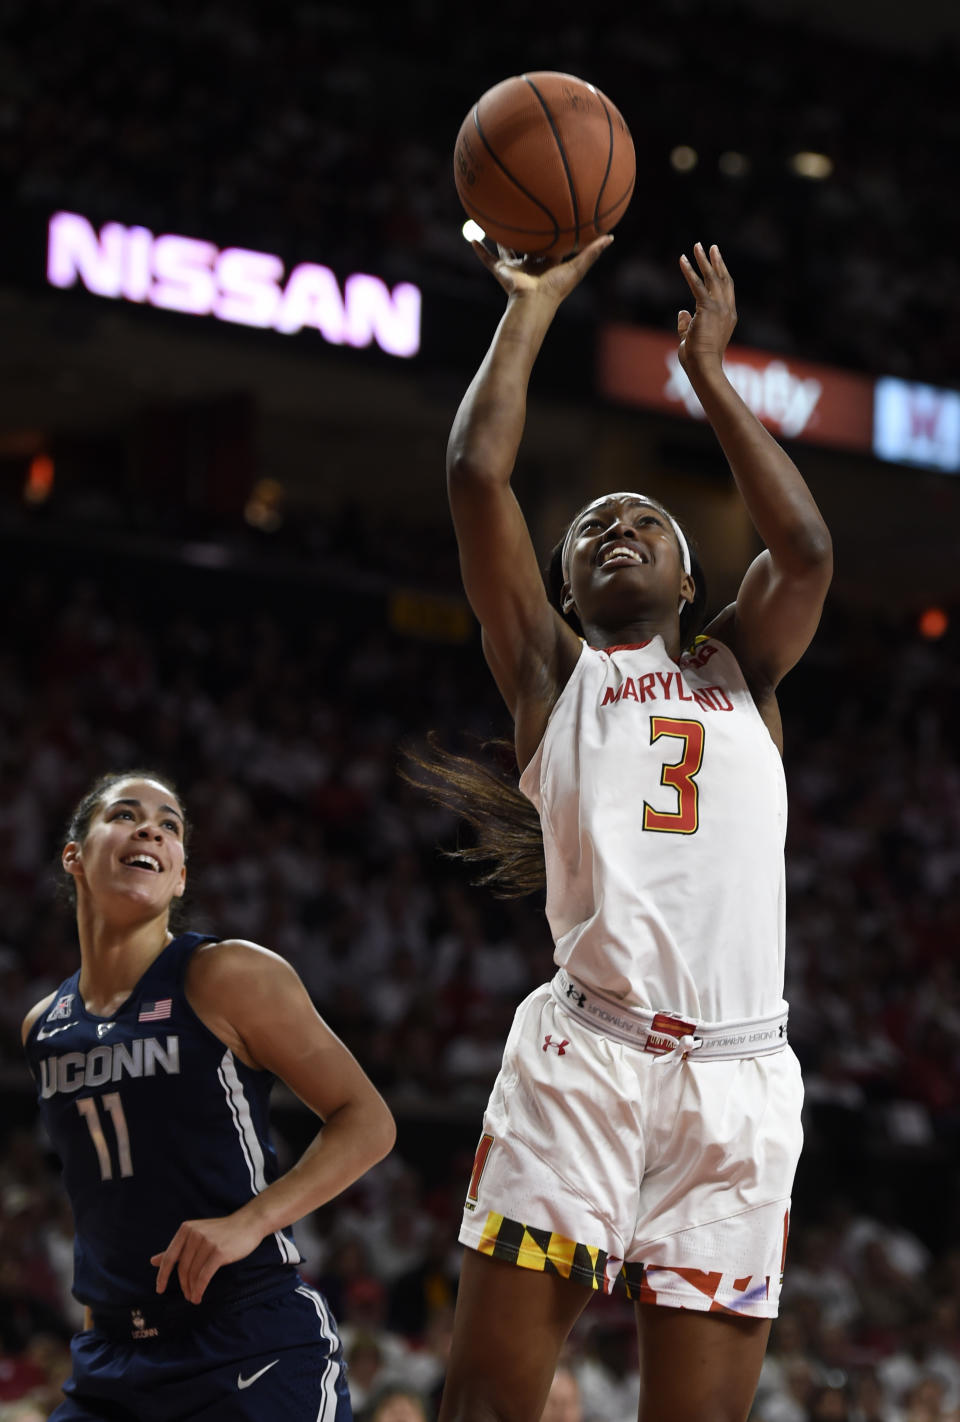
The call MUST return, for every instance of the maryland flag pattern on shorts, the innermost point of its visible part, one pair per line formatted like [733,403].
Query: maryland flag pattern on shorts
[550,1253]
[707,1290]
[678,1287]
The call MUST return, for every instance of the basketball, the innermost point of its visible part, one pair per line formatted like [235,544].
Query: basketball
[544,163]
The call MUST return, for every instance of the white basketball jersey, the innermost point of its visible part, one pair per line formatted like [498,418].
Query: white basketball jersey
[663,806]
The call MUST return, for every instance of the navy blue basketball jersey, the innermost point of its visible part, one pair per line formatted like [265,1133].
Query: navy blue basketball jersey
[156,1122]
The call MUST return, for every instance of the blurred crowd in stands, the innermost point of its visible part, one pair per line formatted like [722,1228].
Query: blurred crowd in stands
[326,133]
[282,718]
[280,700]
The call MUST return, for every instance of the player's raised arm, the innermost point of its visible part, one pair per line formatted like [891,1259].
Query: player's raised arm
[527,644]
[781,597]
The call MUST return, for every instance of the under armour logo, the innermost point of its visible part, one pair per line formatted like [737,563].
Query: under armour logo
[557,1046]
[578,997]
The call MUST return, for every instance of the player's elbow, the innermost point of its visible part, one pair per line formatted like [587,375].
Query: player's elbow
[811,550]
[381,1134]
[364,1130]
[474,467]
[465,470]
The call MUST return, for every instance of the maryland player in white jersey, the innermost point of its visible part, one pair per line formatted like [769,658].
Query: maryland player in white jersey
[645,1126]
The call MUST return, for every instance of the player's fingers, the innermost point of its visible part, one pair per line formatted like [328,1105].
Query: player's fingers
[719,265]
[512,258]
[165,1261]
[593,250]
[191,1263]
[187,1271]
[488,258]
[584,260]
[703,262]
[204,1274]
[683,322]
[693,280]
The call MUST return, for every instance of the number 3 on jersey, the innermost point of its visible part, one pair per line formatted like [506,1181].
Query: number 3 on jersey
[679,775]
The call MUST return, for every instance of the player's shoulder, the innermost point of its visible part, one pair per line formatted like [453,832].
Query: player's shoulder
[233,965]
[36,1012]
[231,983]
[721,628]
[233,953]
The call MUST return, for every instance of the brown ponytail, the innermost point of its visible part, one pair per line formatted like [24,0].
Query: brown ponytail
[506,828]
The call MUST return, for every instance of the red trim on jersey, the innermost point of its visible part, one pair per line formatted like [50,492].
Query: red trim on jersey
[628,646]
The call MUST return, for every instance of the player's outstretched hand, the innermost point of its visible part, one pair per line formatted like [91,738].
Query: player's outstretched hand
[200,1247]
[704,336]
[544,276]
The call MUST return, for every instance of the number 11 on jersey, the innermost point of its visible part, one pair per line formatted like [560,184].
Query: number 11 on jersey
[114,1108]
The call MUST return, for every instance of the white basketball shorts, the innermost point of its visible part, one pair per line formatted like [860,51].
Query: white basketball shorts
[606,1164]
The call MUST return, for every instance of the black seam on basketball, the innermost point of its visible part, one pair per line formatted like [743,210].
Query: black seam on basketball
[563,156]
[596,209]
[556,231]
[624,197]
[545,240]
[516,183]
[479,215]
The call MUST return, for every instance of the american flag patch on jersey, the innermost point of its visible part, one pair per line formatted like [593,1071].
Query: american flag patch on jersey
[154,1011]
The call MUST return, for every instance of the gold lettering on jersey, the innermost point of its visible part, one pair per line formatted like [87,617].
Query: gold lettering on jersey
[147,1056]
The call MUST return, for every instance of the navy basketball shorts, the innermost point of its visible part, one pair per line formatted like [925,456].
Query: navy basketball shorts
[275,1359]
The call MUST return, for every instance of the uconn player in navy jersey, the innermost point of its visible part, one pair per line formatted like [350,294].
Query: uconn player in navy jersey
[645,1126]
[153,1064]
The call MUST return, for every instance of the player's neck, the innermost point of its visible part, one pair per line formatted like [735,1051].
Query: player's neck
[635,632]
[114,956]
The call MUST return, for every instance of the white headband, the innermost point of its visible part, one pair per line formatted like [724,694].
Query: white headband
[637,499]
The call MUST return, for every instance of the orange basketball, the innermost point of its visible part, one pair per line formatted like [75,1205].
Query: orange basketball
[544,163]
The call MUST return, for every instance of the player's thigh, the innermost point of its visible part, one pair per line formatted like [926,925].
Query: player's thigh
[698,1366]
[509,1328]
[299,1393]
[280,1359]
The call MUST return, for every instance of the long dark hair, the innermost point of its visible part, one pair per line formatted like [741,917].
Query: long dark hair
[507,837]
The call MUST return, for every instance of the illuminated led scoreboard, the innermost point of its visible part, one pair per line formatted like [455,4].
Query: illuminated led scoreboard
[233,284]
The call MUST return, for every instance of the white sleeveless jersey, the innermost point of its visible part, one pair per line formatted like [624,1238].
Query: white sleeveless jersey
[663,806]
